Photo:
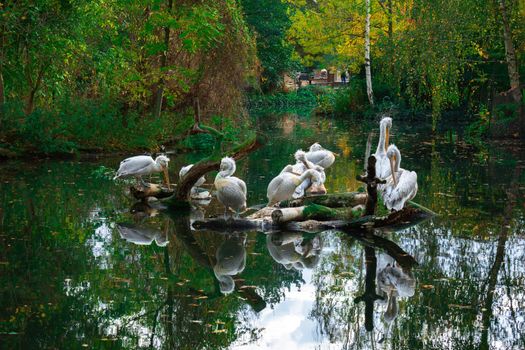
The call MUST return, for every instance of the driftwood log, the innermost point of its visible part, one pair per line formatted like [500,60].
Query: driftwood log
[316,218]
[142,193]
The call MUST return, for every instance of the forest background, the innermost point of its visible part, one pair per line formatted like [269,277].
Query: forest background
[121,75]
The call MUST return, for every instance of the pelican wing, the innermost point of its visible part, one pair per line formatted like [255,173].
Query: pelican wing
[405,190]
[241,184]
[134,165]
[323,158]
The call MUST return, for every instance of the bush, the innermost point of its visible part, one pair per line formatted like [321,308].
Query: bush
[78,125]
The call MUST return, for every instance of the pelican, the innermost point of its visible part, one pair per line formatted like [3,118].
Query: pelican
[283,186]
[401,186]
[320,156]
[195,193]
[382,163]
[231,260]
[303,164]
[231,191]
[143,165]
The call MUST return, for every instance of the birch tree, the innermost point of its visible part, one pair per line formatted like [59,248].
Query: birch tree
[368,73]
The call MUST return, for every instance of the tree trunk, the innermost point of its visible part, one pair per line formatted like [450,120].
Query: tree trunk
[159,95]
[30,103]
[368,72]
[512,66]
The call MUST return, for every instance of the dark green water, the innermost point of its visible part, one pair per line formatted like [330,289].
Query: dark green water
[68,280]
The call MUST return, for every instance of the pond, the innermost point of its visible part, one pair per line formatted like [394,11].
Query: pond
[82,266]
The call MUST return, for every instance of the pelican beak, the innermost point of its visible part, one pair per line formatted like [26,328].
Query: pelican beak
[387,137]
[392,160]
[166,177]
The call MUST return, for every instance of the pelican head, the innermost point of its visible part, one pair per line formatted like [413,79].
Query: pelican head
[316,147]
[394,157]
[386,124]
[162,162]
[227,166]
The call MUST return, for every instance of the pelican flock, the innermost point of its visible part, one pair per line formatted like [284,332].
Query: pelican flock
[307,174]
[139,166]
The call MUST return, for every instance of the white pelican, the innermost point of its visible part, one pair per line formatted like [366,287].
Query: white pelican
[320,156]
[195,192]
[283,186]
[231,191]
[401,186]
[231,260]
[143,165]
[382,163]
[302,164]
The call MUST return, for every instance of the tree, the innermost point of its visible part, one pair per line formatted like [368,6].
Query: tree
[270,21]
[368,73]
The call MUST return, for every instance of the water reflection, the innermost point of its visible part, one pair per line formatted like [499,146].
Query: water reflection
[230,261]
[294,250]
[68,279]
[142,235]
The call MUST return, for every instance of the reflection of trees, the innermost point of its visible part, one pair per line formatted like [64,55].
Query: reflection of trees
[345,304]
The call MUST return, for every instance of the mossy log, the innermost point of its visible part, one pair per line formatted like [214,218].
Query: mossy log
[314,212]
[332,200]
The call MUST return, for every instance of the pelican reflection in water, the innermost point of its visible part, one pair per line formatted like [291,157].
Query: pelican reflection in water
[142,235]
[292,250]
[393,282]
[231,260]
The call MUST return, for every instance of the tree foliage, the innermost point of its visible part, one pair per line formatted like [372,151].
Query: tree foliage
[431,54]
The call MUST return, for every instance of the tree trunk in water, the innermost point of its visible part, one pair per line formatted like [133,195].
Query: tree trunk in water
[512,65]
[368,72]
[159,95]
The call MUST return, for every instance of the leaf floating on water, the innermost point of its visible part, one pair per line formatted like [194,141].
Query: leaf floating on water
[427,286]
[246,287]
[120,279]
[460,306]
